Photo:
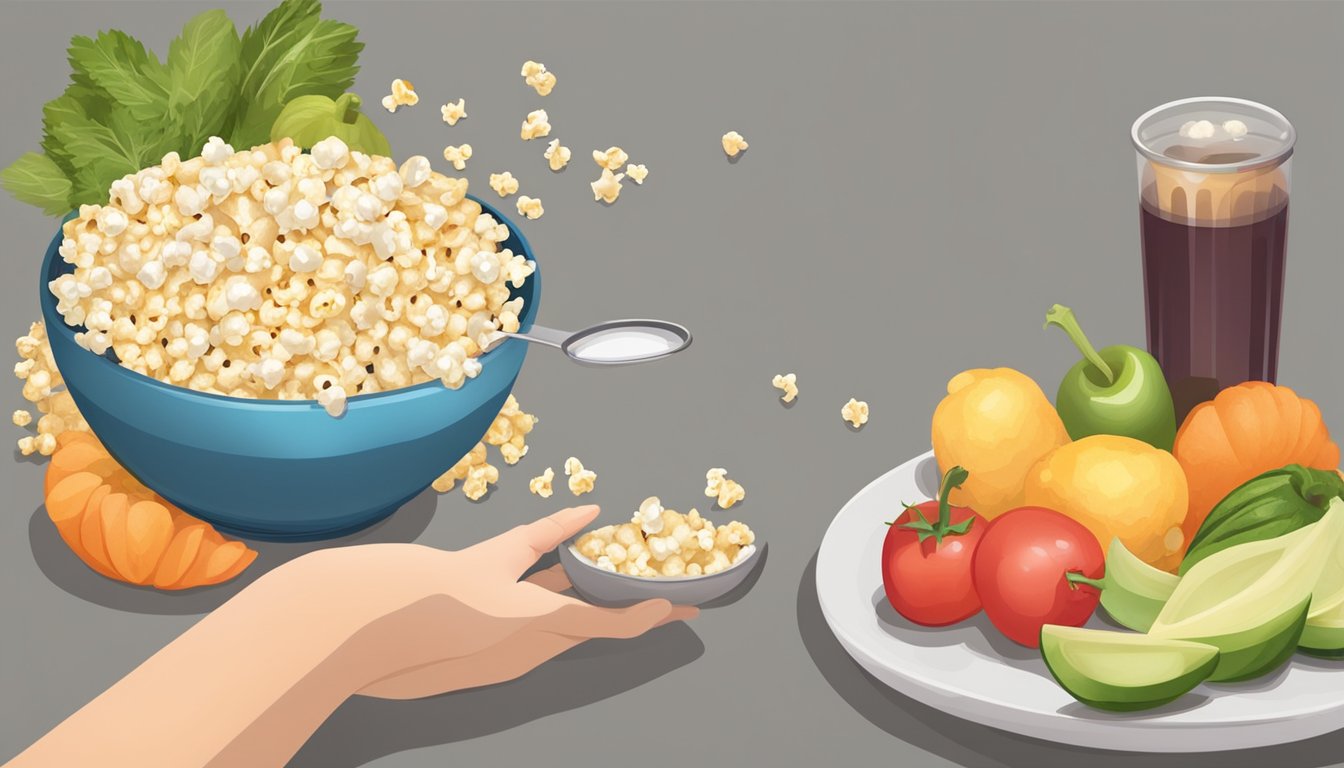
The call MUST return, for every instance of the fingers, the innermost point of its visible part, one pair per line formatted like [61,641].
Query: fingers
[680,613]
[517,549]
[579,619]
[553,579]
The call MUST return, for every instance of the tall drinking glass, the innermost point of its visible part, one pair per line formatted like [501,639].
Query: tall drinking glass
[1213,216]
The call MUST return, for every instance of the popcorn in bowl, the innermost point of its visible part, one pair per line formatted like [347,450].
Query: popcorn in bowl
[274,274]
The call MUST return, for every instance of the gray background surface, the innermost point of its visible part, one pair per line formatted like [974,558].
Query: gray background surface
[923,181]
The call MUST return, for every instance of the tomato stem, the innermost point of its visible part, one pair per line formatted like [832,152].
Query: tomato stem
[944,526]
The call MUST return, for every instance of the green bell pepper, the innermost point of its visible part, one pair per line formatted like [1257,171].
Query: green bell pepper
[1117,391]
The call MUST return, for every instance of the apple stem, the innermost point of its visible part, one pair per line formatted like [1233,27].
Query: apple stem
[1075,578]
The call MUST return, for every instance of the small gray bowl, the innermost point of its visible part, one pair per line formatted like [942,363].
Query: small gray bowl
[618,589]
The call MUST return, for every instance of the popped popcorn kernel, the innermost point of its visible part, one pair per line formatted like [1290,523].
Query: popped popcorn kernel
[403,95]
[788,384]
[855,412]
[637,173]
[536,125]
[458,155]
[453,111]
[649,516]
[718,486]
[22,418]
[733,143]
[535,75]
[581,480]
[504,183]
[659,543]
[556,156]
[541,484]
[608,187]
[530,207]
[612,159]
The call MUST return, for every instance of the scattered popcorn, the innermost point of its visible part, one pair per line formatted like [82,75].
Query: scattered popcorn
[403,95]
[503,183]
[508,432]
[612,159]
[788,384]
[581,480]
[45,444]
[679,545]
[536,125]
[534,74]
[1236,129]
[637,173]
[541,484]
[45,389]
[318,276]
[556,156]
[1197,129]
[530,207]
[855,412]
[458,155]
[728,492]
[607,188]
[454,111]
[733,143]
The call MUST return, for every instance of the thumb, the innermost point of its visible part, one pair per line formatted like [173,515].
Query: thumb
[580,619]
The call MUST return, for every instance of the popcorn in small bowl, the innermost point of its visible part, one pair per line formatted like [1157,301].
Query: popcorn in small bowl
[686,559]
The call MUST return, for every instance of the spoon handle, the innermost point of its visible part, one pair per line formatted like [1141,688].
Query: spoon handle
[542,335]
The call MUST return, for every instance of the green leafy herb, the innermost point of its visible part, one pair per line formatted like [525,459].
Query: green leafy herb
[204,73]
[292,53]
[36,180]
[119,65]
[124,109]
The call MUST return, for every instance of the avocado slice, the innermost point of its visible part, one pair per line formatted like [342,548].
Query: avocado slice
[1133,592]
[1122,671]
[1256,650]
[1251,600]
[1324,634]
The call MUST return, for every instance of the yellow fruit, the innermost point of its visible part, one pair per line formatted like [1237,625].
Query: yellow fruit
[1117,487]
[996,424]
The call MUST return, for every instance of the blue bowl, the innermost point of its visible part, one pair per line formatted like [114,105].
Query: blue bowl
[284,470]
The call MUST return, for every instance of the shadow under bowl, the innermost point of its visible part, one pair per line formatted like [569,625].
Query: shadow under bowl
[284,470]
[618,589]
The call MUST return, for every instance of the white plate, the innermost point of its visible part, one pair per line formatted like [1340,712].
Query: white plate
[973,672]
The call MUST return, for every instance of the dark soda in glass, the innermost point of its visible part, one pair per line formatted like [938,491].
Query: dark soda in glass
[1213,219]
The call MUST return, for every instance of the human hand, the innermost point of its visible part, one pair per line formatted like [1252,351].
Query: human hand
[424,621]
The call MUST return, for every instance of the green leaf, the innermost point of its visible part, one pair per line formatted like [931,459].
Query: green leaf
[90,186]
[36,180]
[104,152]
[119,64]
[204,72]
[291,53]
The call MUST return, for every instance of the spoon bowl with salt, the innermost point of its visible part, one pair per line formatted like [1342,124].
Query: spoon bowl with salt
[615,342]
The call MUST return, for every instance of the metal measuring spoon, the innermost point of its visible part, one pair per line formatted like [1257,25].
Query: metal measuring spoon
[615,342]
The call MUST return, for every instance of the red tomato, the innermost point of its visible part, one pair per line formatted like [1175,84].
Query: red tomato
[1020,572]
[929,582]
